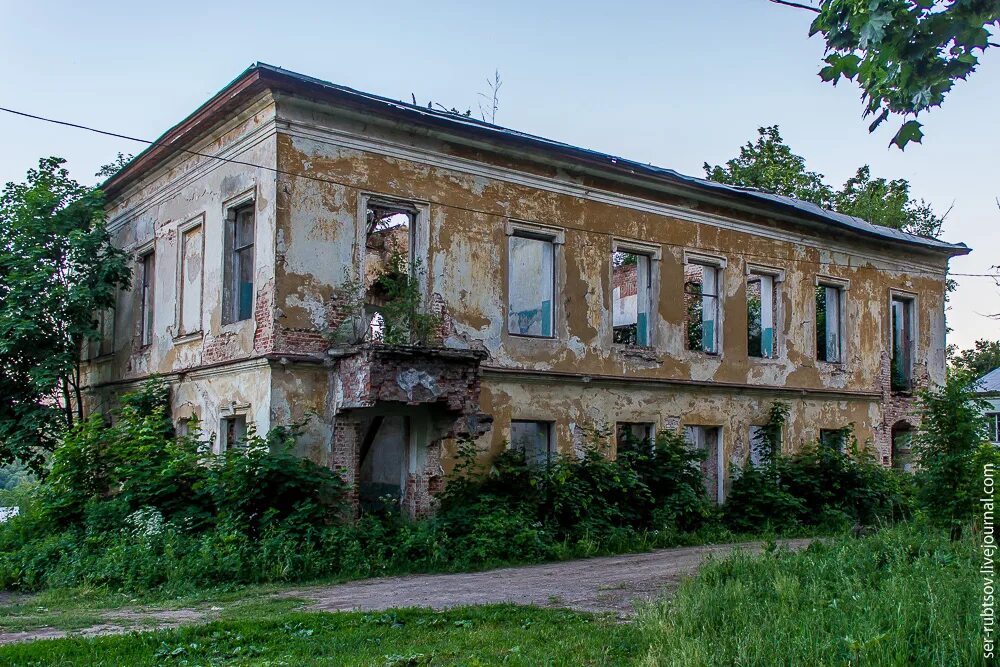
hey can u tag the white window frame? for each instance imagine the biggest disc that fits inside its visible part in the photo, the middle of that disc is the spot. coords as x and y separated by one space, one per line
550 431
182 230
842 286
539 232
909 300
718 264
654 255
232 411
776 277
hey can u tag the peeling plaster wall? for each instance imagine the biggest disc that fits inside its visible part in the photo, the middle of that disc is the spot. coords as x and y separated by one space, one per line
470 195
211 368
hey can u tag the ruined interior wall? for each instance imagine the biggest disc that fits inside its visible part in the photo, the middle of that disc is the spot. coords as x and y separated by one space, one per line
152 214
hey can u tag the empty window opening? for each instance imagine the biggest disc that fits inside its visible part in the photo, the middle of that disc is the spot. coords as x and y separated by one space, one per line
709 440
631 302
383 459
238 294
993 427
701 297
531 284
902 447
534 438
105 325
762 451
634 437
829 323
835 438
390 230
901 374
233 433
147 267
190 280
761 316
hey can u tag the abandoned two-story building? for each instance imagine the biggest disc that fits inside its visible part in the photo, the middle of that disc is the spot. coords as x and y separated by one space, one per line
293 239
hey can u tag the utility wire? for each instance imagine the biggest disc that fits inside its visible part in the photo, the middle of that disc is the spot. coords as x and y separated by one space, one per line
321 179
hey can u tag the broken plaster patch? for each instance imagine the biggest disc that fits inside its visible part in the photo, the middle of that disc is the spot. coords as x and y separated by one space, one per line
411 378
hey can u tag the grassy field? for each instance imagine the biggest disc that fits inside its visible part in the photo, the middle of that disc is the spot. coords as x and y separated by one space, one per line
494 635
901 597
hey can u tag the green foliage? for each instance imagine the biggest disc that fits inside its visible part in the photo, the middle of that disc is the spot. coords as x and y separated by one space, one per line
903 596
405 317
771 166
113 167
57 269
470 636
905 55
976 361
821 486
947 444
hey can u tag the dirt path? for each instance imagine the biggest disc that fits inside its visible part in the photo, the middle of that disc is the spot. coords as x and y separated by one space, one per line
610 584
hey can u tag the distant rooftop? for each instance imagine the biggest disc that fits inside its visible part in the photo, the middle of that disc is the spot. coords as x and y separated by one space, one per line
262 75
989 383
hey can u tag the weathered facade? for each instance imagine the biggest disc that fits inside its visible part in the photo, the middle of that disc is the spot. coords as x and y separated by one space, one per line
567 289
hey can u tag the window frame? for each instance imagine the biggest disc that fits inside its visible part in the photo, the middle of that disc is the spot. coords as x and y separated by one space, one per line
654 255
537 232
182 294
777 277
842 286
419 241
993 430
909 304
719 497
552 450
231 266
146 258
718 264
650 426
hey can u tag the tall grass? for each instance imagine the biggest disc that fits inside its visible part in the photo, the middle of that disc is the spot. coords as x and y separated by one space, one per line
900 597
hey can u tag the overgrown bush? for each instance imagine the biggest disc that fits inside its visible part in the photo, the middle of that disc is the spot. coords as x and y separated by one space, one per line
819 486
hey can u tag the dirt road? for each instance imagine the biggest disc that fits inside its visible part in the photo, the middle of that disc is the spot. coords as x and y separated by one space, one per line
610 584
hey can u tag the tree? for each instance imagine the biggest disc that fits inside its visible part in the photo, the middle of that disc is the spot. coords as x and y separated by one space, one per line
905 55
113 167
887 203
57 269
947 445
771 166
977 361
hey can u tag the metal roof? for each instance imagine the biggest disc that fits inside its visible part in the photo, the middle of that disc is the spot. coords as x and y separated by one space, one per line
277 77
989 383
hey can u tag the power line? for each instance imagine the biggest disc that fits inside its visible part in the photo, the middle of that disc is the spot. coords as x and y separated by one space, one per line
330 181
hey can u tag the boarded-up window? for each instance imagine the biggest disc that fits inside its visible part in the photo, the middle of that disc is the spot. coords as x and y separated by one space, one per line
902 344
709 440
631 298
530 286
829 323
238 294
701 297
761 315
190 282
534 438
147 267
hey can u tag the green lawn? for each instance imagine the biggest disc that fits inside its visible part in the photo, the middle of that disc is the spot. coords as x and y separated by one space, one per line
492 635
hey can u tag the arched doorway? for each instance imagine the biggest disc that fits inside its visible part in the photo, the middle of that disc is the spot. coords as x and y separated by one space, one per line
902 453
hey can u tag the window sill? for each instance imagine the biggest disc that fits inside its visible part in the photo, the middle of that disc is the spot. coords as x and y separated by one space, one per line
766 360
188 337
530 336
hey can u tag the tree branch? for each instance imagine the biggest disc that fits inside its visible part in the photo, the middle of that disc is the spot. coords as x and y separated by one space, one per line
797 5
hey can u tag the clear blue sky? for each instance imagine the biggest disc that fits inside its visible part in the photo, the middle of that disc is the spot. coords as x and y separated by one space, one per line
671 83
